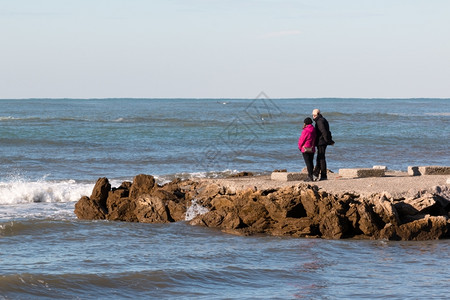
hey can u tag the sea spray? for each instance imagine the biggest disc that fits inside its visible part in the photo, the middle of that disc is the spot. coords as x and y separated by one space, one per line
20 191
194 210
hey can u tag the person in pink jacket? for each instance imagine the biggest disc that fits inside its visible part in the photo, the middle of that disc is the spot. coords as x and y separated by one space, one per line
306 144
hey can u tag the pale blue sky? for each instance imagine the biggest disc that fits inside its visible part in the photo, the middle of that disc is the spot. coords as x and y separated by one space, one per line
224 48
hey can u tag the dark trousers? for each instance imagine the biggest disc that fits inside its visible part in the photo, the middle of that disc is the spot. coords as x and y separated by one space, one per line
309 161
321 163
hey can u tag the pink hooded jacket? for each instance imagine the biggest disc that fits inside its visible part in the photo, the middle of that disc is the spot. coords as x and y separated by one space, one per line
307 138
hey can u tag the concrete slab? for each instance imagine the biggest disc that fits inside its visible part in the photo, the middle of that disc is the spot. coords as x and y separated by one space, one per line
361 173
434 170
428 170
288 176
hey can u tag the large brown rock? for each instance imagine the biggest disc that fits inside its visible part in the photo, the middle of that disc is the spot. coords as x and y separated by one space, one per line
86 209
369 222
333 226
122 209
100 191
151 209
177 210
142 185
425 204
427 228
303 227
385 209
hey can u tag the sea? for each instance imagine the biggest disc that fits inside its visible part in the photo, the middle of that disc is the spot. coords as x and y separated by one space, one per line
52 151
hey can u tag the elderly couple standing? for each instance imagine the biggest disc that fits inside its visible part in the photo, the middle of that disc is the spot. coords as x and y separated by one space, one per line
312 137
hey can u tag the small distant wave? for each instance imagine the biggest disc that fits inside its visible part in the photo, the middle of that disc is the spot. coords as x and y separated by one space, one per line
19 191
11 118
6 118
441 114
436 114
35 118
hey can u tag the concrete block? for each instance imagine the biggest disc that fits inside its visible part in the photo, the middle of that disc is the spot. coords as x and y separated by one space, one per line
413 171
288 176
448 180
361 172
434 170
380 168
428 170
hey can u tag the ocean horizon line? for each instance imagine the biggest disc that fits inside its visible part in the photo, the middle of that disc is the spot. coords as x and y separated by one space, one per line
227 98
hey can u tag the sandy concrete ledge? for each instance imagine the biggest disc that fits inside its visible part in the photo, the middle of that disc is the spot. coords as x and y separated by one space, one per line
395 183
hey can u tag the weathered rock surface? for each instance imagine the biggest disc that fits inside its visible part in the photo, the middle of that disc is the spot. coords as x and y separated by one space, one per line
300 210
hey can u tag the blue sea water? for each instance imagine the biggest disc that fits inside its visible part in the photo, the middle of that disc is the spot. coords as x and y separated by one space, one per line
53 150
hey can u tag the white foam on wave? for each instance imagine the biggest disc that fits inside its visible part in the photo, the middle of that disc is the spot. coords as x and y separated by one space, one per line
19 191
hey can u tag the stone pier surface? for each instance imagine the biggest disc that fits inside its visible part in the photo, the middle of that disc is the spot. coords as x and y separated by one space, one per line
394 207
361 172
428 170
288 176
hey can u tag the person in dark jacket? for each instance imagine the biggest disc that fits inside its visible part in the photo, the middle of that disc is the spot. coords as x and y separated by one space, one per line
323 139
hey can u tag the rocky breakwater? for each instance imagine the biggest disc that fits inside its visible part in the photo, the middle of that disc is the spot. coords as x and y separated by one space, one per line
300 210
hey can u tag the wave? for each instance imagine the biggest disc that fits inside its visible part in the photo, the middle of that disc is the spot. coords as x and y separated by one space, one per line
34 226
20 191
199 282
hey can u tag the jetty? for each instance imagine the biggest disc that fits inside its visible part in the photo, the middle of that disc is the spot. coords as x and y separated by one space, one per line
366 203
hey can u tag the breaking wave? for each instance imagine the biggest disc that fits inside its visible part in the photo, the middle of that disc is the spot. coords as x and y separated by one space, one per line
20 191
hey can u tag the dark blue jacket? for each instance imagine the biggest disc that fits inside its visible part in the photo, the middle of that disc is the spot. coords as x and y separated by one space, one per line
323 134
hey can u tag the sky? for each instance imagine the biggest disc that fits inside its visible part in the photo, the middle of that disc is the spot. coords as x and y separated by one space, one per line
224 48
